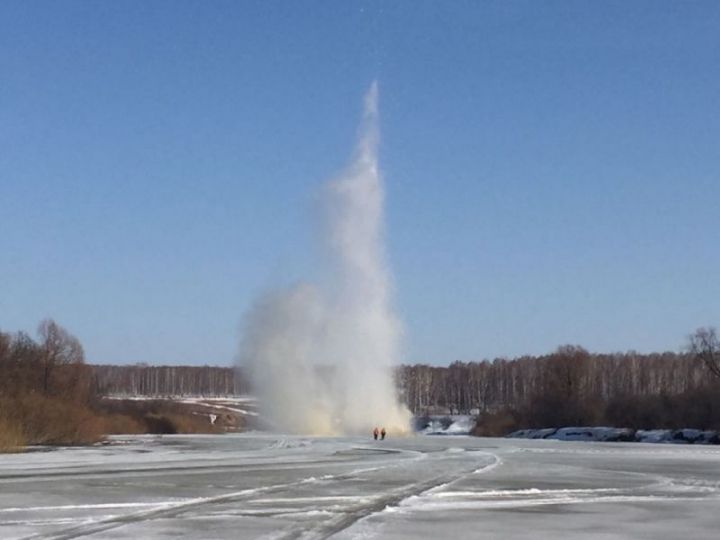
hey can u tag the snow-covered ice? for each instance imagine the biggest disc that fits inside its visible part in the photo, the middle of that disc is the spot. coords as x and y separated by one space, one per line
259 485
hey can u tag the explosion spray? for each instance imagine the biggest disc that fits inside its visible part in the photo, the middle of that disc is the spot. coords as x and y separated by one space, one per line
321 357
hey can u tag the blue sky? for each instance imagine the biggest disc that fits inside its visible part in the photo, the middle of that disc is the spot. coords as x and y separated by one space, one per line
552 168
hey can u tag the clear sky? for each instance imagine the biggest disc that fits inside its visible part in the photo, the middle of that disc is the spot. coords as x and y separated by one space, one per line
552 168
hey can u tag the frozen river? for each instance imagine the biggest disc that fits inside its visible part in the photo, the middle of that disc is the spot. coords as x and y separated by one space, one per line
273 486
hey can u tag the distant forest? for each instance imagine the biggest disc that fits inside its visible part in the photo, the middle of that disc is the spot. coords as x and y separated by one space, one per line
49 395
567 387
145 380
461 387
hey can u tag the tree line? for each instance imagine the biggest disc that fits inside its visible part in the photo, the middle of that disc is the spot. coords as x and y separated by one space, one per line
569 386
49 394
160 381
45 389
572 387
570 372
52 366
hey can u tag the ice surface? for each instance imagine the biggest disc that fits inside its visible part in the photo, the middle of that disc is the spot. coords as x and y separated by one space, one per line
257 485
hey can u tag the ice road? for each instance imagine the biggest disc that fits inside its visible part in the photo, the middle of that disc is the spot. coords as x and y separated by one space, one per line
270 486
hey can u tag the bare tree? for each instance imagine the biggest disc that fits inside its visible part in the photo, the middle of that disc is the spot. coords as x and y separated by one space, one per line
705 346
59 348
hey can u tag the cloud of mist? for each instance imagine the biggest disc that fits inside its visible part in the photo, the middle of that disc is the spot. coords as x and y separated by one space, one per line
321 356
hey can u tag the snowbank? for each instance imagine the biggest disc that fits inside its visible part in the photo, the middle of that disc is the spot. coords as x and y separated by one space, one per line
678 436
609 434
455 424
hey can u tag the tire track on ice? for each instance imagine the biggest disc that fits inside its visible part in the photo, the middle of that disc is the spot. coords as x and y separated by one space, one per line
354 513
167 510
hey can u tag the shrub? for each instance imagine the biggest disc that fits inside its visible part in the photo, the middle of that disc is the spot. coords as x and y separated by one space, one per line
153 416
44 420
11 436
185 423
156 423
496 424
122 424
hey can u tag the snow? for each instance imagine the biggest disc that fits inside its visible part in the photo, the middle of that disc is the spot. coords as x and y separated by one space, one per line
188 399
654 435
229 403
609 434
455 424
260 485
593 434
533 433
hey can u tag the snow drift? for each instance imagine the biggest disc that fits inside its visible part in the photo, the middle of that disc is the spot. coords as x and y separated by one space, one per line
610 434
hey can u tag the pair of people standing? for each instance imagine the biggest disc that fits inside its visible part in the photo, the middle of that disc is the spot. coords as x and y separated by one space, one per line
381 432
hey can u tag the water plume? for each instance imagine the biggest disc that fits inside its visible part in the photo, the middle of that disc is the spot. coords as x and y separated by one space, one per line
321 356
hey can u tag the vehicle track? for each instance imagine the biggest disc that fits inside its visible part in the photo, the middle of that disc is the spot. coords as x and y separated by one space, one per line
168 510
354 513
40 475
